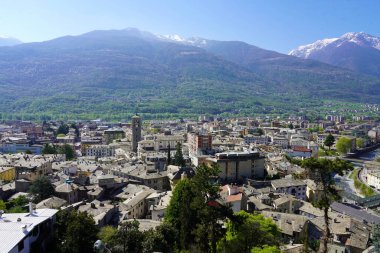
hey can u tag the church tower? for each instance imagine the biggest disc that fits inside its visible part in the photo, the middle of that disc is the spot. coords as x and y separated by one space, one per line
136 131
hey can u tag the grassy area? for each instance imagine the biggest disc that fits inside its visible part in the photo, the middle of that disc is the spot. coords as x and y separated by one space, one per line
359 185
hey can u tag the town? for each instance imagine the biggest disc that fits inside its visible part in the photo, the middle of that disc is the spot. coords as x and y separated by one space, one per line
127 172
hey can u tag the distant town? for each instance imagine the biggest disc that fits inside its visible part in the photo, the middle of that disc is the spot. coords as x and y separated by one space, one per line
128 172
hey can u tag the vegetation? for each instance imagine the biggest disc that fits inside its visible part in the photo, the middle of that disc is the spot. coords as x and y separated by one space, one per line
67 150
178 157
49 149
17 205
75 232
322 172
329 141
364 189
343 145
250 233
41 189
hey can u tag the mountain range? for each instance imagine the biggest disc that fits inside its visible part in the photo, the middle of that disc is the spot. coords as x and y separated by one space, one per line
7 41
359 52
115 73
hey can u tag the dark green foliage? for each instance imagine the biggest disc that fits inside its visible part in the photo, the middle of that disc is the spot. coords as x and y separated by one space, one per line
67 150
178 157
17 205
28 152
41 189
329 141
76 232
322 172
376 237
128 238
49 149
260 131
63 129
161 239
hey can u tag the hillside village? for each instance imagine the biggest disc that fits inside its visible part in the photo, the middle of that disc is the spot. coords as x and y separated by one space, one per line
119 172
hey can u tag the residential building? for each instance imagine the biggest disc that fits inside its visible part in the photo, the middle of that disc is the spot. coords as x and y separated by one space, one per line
27 232
291 186
239 165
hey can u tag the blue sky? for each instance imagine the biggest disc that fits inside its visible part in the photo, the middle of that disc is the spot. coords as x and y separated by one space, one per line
278 25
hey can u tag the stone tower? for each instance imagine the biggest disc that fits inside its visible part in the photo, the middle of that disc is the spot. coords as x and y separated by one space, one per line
136 131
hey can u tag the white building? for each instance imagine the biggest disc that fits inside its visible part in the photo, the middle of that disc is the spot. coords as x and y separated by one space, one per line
100 151
26 232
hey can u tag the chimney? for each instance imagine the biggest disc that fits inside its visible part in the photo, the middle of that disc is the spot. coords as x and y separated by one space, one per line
30 208
24 228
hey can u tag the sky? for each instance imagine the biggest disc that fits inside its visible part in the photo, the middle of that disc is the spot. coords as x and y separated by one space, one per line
279 25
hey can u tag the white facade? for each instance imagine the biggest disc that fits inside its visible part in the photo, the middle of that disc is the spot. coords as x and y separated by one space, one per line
100 151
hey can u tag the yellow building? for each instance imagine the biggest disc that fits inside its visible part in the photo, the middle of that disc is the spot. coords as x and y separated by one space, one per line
7 173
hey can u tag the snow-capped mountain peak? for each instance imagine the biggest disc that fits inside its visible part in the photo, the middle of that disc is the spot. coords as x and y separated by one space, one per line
193 41
359 38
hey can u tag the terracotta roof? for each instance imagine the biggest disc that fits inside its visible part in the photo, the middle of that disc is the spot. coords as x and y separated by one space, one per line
233 198
301 149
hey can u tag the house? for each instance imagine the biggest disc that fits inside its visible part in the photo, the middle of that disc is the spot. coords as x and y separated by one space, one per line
234 196
292 226
101 212
239 165
27 232
291 186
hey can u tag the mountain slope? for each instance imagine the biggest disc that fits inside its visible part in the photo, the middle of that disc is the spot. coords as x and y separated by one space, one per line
288 73
116 73
359 52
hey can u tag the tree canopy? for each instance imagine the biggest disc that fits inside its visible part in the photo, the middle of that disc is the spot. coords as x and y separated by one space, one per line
329 141
41 189
343 145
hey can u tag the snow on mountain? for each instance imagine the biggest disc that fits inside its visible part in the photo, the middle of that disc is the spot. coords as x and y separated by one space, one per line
359 38
193 41
8 41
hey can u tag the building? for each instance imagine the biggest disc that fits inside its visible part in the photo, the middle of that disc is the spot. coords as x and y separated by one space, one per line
112 134
198 143
99 151
238 166
27 232
136 132
294 187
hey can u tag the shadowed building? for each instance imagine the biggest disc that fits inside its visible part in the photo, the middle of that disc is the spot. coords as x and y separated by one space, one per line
136 131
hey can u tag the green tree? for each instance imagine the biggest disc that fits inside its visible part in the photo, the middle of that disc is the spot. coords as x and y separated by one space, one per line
260 131
290 126
28 152
3 206
343 145
180 214
178 157
67 150
76 232
359 143
107 234
247 232
63 129
161 239
322 171
49 149
128 238
329 141
41 189
376 237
